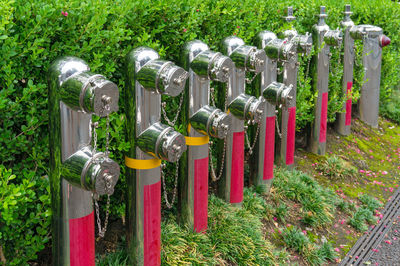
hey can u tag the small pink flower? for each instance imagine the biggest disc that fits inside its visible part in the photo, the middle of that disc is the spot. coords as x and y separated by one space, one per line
234 33
65 14
275 219
304 232
356 257
337 249
388 242
184 30
238 27
362 171
197 10
384 173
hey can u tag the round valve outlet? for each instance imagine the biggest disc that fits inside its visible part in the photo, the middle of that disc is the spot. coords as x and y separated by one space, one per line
277 93
333 37
220 68
249 57
211 121
281 49
246 107
162 141
90 93
107 175
219 124
171 146
163 77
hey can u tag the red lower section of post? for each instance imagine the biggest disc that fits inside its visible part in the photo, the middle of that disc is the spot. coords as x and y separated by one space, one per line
152 224
200 200
81 241
291 132
269 148
237 171
348 104
324 117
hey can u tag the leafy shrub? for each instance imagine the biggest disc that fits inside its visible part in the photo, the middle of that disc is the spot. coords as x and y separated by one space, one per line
314 254
34 33
336 167
318 203
365 214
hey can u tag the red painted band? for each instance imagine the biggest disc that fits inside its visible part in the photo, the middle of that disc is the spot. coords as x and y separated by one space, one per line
200 200
152 224
324 117
269 148
81 241
348 104
291 132
237 170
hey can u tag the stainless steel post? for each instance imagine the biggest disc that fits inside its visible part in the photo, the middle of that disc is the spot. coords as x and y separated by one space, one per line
262 160
241 107
373 41
323 39
343 119
76 170
199 121
302 44
147 77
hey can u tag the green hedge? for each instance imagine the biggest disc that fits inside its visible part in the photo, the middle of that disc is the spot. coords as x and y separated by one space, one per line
34 32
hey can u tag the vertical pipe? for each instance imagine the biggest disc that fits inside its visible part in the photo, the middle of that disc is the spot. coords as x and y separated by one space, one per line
73 91
150 141
200 121
343 119
262 159
193 172
246 59
373 40
323 38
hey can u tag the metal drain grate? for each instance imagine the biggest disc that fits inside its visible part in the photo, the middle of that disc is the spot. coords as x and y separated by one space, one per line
363 249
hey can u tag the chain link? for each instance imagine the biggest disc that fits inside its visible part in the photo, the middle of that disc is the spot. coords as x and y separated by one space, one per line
214 177
102 230
167 202
163 104
251 147
278 130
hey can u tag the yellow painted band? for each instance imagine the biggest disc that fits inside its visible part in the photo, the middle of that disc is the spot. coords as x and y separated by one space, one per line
196 141
142 164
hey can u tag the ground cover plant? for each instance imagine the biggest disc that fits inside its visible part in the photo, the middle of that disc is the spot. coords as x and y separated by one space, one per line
34 33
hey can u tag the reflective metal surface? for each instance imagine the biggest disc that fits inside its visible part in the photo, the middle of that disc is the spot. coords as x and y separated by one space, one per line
343 126
145 78
303 45
373 40
199 119
323 38
74 95
242 106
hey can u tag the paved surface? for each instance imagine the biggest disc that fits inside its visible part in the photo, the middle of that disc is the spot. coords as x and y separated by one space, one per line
381 244
388 251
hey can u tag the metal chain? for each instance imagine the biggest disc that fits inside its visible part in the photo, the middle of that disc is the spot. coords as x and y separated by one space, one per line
103 230
251 147
278 129
307 71
214 177
163 104
167 202
249 81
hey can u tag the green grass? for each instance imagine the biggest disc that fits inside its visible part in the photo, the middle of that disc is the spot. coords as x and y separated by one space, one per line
301 243
365 214
335 167
318 203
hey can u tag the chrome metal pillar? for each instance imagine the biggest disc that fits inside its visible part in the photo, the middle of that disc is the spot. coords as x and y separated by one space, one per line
343 119
323 39
147 77
302 44
262 160
199 121
75 171
241 107
373 41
